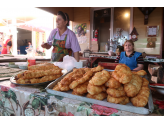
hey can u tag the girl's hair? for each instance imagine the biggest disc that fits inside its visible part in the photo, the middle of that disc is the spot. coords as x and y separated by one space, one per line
64 16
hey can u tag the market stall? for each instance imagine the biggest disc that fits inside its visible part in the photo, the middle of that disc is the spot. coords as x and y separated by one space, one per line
43 100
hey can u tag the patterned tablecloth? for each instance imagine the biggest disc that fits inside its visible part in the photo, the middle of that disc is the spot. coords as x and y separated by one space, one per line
32 100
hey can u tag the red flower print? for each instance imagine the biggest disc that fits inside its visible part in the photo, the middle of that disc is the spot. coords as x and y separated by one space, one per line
103 110
65 114
159 103
13 85
161 106
70 114
4 88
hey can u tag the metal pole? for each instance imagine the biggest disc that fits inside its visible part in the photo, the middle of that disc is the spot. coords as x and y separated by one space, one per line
14 38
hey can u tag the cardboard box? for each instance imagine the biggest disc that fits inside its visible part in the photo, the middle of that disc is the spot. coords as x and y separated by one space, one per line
154 79
94 47
94 42
108 65
94 39
153 69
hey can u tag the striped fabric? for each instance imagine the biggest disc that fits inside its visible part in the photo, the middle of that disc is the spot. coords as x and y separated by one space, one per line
139 59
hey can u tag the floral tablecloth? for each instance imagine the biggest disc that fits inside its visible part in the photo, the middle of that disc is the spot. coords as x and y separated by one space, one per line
33 101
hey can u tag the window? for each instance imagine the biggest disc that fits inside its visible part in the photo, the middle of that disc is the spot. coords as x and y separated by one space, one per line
102 22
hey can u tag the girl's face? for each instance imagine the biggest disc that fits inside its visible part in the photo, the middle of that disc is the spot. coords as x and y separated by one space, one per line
60 22
128 47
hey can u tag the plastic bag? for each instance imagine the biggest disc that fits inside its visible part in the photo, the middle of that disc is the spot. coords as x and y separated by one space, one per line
30 52
68 63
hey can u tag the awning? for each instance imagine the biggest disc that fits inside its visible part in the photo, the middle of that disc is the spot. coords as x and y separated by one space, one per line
30 28
39 25
2 22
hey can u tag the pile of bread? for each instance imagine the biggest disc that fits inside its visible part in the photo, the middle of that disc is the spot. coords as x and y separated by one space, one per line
120 86
39 73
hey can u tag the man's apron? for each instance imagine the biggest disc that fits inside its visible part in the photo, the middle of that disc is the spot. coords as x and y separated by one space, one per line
59 50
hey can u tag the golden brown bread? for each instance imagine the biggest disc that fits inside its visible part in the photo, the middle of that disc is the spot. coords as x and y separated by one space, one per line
125 78
37 80
112 83
115 100
69 78
125 101
97 69
145 82
79 81
49 78
56 87
86 69
117 68
100 78
63 87
99 96
140 72
43 66
122 74
118 92
92 89
142 97
81 89
20 75
40 73
74 93
134 86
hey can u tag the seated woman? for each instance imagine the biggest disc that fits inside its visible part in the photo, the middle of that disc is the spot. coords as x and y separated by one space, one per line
131 58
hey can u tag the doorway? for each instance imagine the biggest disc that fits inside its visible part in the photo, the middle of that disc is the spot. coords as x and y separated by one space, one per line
23 37
102 24
101 18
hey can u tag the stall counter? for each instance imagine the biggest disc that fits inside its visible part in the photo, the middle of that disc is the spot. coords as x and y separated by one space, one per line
20 58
